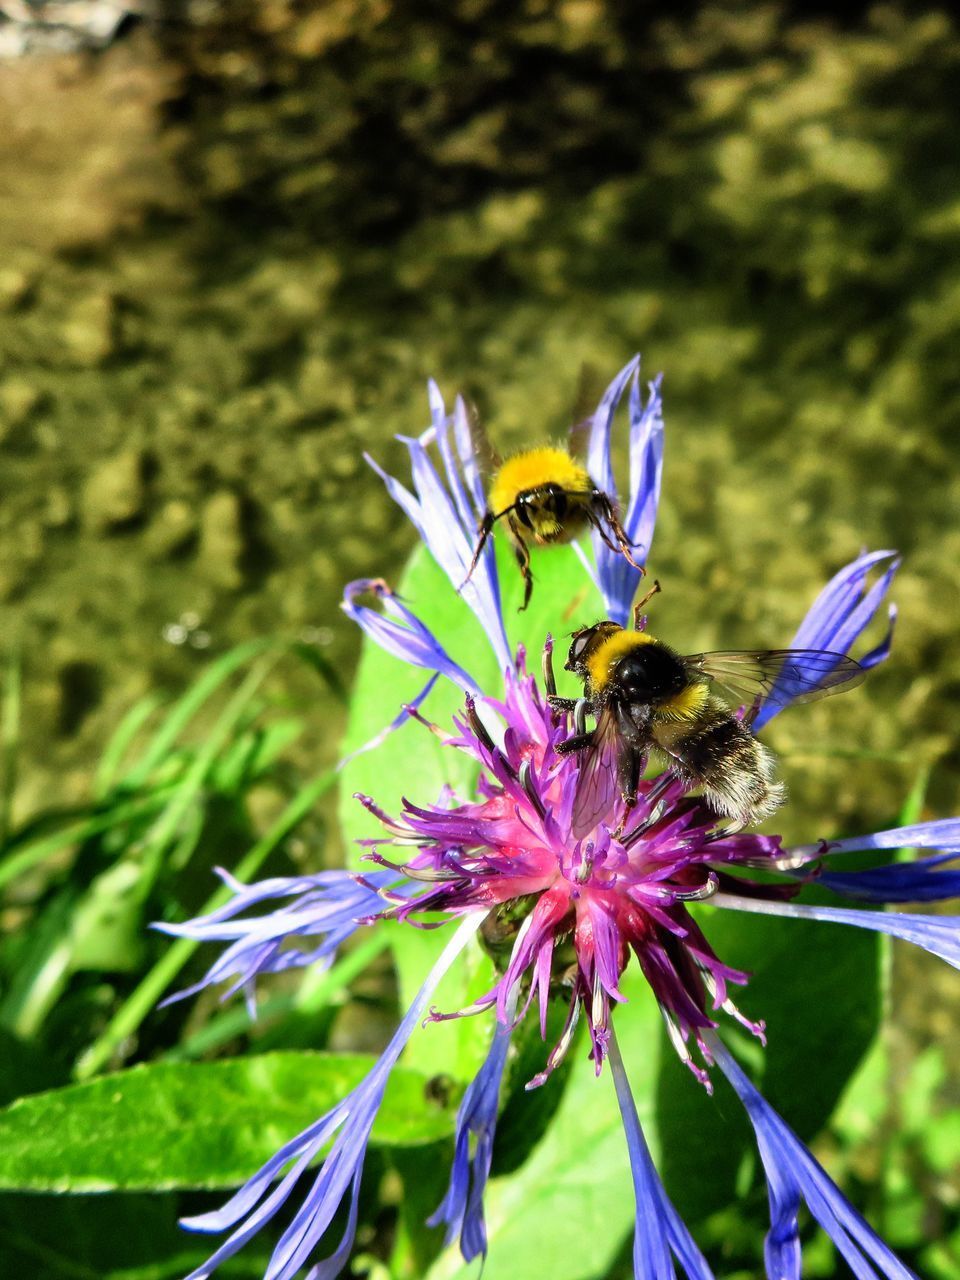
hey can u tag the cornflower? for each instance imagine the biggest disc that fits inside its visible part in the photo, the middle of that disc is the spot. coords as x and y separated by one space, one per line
565 916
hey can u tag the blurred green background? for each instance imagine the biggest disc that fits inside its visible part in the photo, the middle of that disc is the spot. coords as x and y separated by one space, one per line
236 242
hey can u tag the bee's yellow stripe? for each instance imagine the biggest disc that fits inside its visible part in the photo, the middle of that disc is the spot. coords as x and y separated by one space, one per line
602 660
532 469
685 705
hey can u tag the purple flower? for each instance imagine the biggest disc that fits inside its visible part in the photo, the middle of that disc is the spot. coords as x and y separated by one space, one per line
551 903
628 891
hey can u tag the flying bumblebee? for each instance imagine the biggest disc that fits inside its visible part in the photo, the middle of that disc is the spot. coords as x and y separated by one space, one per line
546 495
647 697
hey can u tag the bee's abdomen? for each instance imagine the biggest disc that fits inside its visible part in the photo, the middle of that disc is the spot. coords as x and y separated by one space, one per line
734 769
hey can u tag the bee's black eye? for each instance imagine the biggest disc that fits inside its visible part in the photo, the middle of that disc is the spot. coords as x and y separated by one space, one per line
556 501
579 645
523 507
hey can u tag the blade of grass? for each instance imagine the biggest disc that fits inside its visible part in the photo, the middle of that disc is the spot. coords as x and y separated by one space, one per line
119 743
168 824
323 668
42 971
78 832
192 701
913 803
142 1000
190 704
9 741
183 850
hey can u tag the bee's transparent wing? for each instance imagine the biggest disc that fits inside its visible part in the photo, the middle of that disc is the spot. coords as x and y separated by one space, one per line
598 780
777 676
589 391
486 455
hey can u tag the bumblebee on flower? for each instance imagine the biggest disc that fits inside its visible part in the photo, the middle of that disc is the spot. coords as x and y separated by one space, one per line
565 904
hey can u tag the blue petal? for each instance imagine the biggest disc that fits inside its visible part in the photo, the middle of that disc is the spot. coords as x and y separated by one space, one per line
659 1231
328 906
462 1207
615 576
940 935
943 833
646 464
919 881
400 719
837 617
402 633
618 579
446 512
882 651
599 461
794 1177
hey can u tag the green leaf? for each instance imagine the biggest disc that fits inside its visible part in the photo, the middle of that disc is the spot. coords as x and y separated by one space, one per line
173 1125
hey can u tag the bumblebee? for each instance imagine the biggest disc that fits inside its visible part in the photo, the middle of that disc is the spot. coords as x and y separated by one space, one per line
547 496
647 697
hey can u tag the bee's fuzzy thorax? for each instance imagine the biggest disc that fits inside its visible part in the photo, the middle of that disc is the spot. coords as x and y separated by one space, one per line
533 469
601 661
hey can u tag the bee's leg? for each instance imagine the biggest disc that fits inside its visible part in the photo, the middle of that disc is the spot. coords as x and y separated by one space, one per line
596 518
486 528
603 509
578 743
644 600
580 708
562 704
522 552
630 777
631 766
